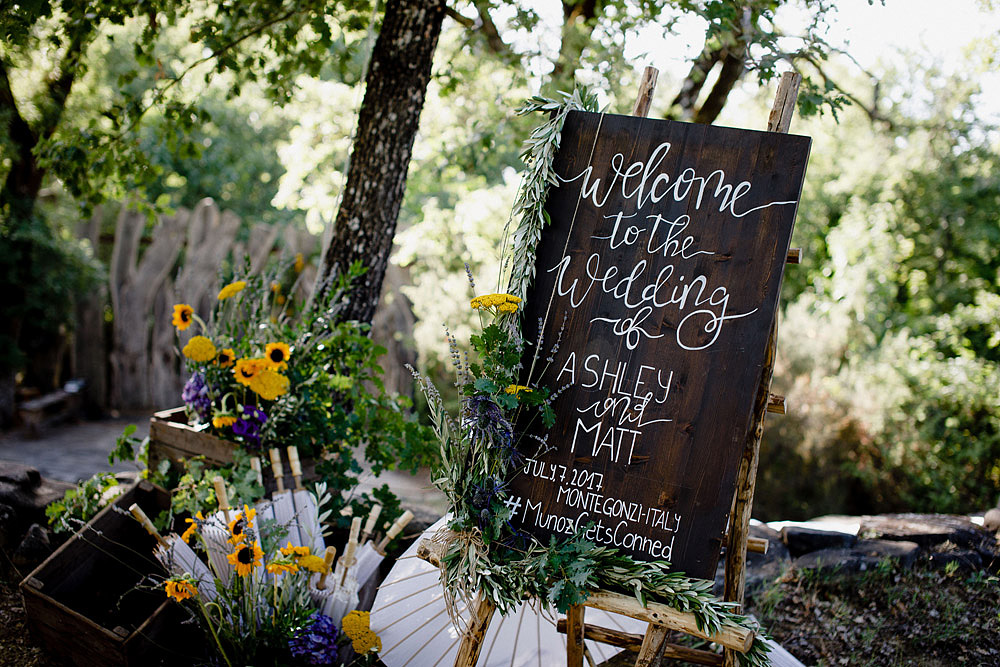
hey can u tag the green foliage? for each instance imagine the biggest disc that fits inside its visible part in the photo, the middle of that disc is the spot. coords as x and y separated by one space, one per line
80 503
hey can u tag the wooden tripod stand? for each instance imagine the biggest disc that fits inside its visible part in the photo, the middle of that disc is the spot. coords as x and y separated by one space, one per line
661 618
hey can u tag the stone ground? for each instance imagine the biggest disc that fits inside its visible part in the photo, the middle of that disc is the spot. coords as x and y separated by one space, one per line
73 451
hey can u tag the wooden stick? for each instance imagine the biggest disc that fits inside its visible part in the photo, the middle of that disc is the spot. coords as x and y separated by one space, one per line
730 636
574 635
776 404
370 524
347 560
655 636
295 465
277 469
646 87
394 530
141 517
222 496
255 466
794 256
331 553
472 639
779 120
633 642
757 545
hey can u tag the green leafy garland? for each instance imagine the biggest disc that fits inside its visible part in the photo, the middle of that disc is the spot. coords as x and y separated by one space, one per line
483 554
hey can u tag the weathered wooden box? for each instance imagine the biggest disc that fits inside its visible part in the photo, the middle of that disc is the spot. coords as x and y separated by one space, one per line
170 437
93 601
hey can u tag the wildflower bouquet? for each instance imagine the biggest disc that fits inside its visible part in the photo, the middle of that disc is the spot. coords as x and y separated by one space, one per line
253 599
263 376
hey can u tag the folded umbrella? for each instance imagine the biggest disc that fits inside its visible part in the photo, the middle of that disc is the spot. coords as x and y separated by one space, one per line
370 557
306 513
323 589
176 556
282 504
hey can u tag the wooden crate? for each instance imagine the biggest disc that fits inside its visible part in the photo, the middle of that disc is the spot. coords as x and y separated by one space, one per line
170 437
93 602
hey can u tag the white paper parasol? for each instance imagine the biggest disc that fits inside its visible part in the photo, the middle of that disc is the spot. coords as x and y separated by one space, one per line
410 618
282 504
309 530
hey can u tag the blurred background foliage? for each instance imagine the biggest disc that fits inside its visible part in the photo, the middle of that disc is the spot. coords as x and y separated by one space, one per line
890 328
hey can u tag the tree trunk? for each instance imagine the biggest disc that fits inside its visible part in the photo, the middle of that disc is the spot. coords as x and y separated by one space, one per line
387 124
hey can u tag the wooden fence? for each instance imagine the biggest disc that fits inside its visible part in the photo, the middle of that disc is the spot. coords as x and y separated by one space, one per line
139 367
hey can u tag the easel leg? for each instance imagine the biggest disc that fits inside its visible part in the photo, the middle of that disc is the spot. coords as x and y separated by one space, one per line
574 636
472 641
655 636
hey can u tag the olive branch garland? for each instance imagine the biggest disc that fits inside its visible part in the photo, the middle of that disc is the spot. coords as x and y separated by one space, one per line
564 571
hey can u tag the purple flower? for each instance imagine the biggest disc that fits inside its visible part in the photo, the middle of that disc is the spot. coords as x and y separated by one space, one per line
248 425
316 643
195 396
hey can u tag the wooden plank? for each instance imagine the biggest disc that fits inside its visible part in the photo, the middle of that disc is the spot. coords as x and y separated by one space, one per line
651 643
472 640
646 87
655 392
574 636
732 637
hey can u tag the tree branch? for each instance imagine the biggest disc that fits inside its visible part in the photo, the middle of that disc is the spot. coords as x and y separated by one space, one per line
59 86
694 82
20 131
732 69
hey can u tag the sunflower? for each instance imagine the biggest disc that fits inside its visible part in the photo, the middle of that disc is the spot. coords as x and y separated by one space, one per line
312 563
276 356
240 524
226 357
182 316
282 565
245 558
199 349
246 369
291 550
232 289
179 589
223 420
195 522
269 385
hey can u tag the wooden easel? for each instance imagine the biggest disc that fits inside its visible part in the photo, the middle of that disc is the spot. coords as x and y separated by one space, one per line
661 618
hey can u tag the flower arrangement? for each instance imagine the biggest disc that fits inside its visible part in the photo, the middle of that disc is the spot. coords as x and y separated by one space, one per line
263 374
484 554
254 600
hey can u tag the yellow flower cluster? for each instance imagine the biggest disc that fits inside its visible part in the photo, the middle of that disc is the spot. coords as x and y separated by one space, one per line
269 385
357 626
504 303
199 349
517 389
232 289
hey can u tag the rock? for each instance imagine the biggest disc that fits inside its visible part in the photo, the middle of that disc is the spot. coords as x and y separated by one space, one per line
25 491
34 548
967 560
19 475
835 561
990 554
927 530
991 521
865 555
806 540
904 552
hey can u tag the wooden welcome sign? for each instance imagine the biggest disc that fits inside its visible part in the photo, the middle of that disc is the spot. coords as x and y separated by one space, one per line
659 278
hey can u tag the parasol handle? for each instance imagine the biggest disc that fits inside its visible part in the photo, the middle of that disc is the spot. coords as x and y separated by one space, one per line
277 468
255 466
331 553
395 529
352 545
295 465
221 495
141 517
370 524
